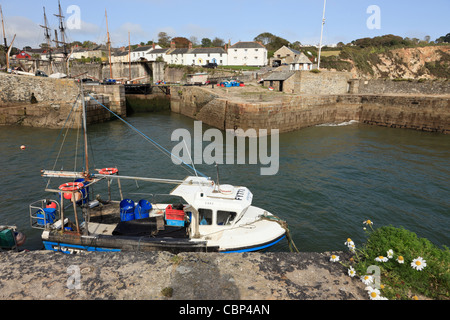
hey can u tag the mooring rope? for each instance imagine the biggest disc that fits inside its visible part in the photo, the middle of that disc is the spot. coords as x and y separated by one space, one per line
284 225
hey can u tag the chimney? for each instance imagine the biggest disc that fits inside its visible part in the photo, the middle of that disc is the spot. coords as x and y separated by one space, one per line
154 46
172 45
190 45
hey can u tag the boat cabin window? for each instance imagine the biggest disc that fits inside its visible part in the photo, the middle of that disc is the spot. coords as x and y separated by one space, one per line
225 217
205 217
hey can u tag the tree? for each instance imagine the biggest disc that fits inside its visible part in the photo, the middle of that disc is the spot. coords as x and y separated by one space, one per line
443 39
206 43
194 40
217 42
163 39
265 38
271 41
181 42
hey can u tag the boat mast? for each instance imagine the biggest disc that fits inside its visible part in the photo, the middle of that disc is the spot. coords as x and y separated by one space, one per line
109 46
3 26
62 32
47 37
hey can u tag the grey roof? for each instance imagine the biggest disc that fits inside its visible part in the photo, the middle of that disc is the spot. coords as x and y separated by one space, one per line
295 51
179 51
207 50
279 76
143 48
247 45
159 50
302 58
121 53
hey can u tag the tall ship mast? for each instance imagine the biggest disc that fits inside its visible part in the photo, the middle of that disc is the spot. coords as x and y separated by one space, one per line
48 39
4 33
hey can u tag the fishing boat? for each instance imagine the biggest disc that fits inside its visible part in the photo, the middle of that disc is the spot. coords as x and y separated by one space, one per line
201 214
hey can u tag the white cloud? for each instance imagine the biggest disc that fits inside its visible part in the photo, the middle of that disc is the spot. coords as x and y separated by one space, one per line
28 32
119 36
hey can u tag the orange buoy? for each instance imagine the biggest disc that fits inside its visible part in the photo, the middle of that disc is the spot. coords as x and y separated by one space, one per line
108 171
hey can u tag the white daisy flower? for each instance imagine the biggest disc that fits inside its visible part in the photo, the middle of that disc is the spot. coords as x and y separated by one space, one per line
368 222
390 253
352 248
381 259
351 272
367 279
400 259
418 263
334 258
349 242
374 294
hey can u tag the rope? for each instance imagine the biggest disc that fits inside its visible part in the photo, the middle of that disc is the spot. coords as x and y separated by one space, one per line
158 146
284 225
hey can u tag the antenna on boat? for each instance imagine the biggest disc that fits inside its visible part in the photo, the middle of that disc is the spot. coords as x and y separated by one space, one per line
217 169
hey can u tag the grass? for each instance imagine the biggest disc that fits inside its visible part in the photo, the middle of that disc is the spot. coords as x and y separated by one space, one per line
402 281
330 53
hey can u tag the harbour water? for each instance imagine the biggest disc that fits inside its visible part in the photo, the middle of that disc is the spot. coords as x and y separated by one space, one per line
331 177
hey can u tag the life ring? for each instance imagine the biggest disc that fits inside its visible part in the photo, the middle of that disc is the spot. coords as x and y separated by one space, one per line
108 171
71 186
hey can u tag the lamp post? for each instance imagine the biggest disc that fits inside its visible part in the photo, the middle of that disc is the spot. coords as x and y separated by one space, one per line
321 34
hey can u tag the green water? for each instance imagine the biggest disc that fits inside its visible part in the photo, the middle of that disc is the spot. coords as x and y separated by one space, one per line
331 178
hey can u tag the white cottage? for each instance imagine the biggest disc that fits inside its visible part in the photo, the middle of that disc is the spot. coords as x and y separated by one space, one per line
247 54
202 56
140 53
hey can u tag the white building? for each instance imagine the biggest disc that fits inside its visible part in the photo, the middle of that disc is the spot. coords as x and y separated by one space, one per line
247 54
140 53
202 56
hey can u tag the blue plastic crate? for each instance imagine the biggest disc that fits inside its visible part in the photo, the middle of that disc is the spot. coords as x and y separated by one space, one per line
175 223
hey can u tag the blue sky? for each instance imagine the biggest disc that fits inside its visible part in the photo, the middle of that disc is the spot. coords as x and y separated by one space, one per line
235 20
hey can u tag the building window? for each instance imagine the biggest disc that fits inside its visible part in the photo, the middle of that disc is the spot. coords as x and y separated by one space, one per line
256 50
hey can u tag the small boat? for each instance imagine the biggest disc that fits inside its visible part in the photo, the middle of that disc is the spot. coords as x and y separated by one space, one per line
199 214
10 238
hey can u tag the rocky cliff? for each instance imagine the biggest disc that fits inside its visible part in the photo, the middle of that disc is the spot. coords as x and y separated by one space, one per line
429 62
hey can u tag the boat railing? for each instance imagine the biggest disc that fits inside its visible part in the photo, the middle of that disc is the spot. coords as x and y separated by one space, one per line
41 215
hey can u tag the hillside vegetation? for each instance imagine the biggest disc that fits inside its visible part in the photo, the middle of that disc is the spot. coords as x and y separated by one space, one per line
388 56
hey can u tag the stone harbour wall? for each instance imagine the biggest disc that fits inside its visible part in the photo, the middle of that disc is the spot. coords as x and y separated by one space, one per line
46 275
47 103
293 112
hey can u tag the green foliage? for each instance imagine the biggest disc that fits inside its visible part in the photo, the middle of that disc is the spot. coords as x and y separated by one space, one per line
401 281
444 39
271 41
441 68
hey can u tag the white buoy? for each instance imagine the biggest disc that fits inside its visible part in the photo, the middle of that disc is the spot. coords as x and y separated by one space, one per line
22 147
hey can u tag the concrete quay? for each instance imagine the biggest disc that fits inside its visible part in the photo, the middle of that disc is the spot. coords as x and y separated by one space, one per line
46 275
